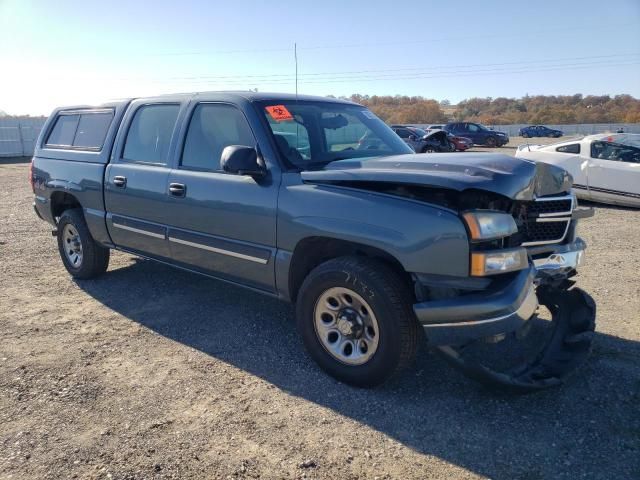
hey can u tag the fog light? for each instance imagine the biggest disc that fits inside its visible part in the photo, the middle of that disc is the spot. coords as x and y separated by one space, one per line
498 261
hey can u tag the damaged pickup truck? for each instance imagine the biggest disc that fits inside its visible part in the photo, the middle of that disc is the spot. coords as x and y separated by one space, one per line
378 247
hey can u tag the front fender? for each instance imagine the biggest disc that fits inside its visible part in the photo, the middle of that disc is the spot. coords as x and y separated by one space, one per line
423 238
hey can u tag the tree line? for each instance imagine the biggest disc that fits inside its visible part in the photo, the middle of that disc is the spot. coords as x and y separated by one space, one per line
537 109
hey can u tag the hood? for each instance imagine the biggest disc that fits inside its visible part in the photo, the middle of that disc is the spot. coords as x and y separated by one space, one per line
515 178
435 135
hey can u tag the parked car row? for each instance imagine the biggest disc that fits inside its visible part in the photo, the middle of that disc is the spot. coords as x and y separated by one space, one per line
460 136
478 134
431 140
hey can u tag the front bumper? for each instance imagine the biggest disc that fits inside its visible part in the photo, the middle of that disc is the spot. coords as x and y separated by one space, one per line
459 320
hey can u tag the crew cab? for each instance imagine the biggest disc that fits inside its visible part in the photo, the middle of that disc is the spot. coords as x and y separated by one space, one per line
376 245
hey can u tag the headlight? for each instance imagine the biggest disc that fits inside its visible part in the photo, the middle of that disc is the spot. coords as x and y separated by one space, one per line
498 261
489 225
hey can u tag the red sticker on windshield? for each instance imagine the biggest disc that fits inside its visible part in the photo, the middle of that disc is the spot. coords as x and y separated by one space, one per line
279 113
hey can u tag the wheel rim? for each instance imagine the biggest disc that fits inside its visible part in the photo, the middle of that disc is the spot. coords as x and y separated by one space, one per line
72 245
491 142
346 326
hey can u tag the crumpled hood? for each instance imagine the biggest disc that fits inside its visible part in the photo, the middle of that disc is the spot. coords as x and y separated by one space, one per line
515 178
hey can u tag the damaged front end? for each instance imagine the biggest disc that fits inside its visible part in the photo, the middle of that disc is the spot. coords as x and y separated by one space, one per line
521 221
468 322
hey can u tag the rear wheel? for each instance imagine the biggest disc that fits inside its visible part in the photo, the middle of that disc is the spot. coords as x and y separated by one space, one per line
81 255
428 149
356 319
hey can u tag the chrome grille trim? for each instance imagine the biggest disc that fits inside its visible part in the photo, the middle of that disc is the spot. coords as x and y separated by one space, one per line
571 198
564 216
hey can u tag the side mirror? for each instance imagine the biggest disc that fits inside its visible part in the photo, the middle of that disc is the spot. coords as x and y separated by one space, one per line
413 138
242 160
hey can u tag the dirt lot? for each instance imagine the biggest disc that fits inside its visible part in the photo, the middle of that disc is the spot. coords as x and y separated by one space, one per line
149 372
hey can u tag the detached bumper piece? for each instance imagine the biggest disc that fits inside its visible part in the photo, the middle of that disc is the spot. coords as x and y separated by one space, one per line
573 313
453 325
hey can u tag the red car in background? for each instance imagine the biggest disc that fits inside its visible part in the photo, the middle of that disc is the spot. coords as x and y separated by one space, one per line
461 143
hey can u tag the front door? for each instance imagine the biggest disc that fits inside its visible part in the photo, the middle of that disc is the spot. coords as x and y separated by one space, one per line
220 223
136 179
614 173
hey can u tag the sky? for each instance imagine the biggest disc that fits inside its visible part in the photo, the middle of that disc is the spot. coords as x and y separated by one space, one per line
68 52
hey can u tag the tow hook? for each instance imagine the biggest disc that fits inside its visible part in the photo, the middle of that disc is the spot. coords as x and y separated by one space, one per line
573 314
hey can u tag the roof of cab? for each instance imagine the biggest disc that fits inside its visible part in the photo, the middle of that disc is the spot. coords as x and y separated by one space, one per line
212 95
254 96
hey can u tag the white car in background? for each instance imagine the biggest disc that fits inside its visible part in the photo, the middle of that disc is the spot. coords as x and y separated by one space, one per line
605 167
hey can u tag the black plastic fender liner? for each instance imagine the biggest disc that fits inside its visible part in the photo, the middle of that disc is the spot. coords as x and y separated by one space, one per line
573 316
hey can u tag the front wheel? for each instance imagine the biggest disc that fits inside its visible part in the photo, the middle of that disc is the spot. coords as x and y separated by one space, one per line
491 142
81 255
356 320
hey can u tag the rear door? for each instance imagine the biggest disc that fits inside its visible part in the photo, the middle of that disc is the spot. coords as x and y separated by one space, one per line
219 223
614 173
137 177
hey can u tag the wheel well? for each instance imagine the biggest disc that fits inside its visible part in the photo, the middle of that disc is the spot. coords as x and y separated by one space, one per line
61 201
311 252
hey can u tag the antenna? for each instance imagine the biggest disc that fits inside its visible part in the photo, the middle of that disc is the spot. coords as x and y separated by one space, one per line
295 56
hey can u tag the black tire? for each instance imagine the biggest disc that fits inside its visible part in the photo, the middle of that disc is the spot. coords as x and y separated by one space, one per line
390 299
491 142
428 150
525 135
94 258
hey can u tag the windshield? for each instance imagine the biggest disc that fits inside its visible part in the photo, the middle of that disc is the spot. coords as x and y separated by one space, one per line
482 127
311 134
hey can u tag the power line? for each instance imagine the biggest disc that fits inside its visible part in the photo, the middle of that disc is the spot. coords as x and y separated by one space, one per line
561 30
398 69
417 75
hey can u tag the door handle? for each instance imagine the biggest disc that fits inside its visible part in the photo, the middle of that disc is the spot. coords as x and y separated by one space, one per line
177 189
120 181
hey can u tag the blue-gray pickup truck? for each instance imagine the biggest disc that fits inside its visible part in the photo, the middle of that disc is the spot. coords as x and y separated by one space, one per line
318 202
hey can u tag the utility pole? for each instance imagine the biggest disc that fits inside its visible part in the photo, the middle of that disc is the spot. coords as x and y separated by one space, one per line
295 56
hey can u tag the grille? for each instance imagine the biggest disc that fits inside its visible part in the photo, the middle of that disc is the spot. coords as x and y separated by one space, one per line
542 207
545 220
535 232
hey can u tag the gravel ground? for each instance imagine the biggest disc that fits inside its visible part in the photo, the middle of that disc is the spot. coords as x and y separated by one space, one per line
150 372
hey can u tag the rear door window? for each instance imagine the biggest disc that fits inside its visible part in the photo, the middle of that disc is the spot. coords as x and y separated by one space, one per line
150 132
92 130
63 131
